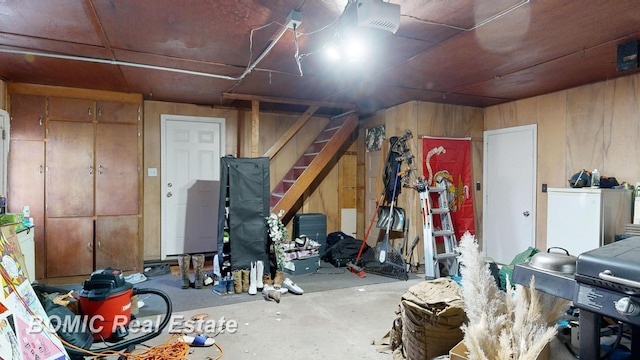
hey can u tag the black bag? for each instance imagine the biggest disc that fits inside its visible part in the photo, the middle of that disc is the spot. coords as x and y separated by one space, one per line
342 249
607 182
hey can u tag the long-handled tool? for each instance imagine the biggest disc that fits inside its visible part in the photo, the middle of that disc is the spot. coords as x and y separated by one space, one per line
356 269
385 247
353 267
385 259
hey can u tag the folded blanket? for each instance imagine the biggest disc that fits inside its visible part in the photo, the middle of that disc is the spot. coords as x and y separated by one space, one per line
292 251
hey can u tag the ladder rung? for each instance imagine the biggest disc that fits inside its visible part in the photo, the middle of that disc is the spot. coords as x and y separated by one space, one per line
439 210
443 233
447 256
437 189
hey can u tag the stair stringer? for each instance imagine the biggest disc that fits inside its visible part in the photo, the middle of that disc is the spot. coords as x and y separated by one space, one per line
315 167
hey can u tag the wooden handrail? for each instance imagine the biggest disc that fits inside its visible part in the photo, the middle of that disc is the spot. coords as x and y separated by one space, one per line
317 165
291 132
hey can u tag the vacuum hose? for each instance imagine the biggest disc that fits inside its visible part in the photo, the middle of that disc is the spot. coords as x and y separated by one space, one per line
140 339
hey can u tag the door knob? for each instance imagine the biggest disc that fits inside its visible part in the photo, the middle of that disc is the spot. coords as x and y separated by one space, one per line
526 214
169 194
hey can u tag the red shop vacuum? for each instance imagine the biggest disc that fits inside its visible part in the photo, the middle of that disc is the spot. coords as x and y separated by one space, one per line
105 299
105 302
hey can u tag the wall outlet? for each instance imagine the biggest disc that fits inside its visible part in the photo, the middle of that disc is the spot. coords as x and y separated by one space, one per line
152 171
544 187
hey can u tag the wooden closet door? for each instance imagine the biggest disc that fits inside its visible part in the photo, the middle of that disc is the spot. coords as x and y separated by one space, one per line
26 187
70 169
117 242
70 246
27 116
118 112
117 169
61 108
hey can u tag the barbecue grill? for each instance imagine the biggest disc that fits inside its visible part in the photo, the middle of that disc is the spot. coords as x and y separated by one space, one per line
606 283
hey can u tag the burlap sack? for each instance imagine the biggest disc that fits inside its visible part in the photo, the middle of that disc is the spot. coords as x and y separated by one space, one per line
432 313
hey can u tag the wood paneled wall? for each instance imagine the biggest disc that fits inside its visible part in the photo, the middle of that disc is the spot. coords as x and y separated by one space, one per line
422 119
152 186
592 126
322 198
3 95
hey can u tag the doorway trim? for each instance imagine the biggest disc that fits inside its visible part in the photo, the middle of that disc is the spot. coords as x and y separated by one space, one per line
164 119
502 179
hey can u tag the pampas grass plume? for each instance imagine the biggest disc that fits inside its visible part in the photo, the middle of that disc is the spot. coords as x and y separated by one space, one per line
503 326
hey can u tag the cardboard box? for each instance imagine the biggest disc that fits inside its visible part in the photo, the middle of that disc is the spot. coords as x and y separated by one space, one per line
459 352
302 266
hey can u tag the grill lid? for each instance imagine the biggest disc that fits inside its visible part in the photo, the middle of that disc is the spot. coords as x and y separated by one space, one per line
554 261
615 266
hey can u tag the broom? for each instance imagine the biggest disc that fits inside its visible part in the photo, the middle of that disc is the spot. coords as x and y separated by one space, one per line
354 268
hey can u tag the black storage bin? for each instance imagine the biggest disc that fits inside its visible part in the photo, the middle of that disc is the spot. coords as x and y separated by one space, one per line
314 226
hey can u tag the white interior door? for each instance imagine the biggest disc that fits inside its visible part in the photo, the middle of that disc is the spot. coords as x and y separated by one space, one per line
509 204
190 175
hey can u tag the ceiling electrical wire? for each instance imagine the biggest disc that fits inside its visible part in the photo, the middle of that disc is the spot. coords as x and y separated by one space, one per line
250 67
484 22
251 64
297 55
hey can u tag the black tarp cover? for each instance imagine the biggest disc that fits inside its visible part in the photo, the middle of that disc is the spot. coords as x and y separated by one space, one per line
248 181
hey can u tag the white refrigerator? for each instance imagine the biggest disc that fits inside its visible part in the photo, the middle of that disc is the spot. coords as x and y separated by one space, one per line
583 219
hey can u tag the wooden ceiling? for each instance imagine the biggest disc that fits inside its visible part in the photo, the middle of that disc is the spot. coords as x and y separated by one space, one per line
464 52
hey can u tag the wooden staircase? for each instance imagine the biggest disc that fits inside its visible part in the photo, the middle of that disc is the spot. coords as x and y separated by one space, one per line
309 166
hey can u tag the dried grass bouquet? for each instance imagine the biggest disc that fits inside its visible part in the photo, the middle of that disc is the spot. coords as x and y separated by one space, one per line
503 326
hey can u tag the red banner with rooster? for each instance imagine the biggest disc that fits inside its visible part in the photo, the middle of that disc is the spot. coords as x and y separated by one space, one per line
447 163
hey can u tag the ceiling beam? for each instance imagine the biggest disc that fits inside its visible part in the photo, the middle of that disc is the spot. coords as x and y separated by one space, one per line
268 99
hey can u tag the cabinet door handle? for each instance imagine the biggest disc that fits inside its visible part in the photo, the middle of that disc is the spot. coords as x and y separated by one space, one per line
90 170
99 112
41 169
40 121
89 247
99 245
99 169
89 110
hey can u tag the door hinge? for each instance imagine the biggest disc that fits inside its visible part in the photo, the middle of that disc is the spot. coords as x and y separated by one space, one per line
4 134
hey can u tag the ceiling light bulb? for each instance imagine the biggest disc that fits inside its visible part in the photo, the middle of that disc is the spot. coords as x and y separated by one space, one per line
354 49
332 52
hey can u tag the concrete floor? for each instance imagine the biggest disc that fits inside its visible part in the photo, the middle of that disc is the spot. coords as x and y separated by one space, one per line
334 324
